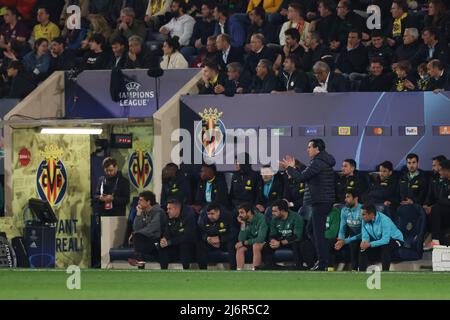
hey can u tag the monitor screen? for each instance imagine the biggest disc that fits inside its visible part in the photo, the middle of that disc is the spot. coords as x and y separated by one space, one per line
42 211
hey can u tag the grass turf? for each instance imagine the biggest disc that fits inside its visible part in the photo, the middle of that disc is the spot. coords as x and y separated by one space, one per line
146 284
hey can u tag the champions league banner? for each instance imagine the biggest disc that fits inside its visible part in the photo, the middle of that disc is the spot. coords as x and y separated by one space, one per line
56 168
368 127
88 95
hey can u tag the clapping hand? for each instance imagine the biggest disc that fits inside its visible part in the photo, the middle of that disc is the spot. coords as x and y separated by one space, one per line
287 161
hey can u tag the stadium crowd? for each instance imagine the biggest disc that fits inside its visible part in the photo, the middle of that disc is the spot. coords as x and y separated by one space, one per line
254 46
265 211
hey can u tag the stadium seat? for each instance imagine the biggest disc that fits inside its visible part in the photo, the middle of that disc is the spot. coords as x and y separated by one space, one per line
410 220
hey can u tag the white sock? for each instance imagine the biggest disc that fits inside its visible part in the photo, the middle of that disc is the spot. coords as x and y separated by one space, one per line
435 241
238 269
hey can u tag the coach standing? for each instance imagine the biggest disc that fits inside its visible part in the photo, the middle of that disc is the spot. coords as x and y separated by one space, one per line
319 193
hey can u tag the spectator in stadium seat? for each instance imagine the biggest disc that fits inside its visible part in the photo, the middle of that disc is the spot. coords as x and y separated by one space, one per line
410 48
45 28
293 190
350 227
230 25
438 18
238 81
217 232
379 236
226 52
156 13
203 28
379 49
350 180
172 58
327 81
96 58
292 78
319 193
285 232
270 6
64 16
13 29
413 184
384 186
175 185
181 25
211 188
327 25
213 81
348 21
295 21
378 80
139 57
61 59
21 83
264 81
129 25
244 183
433 48
98 24
315 51
404 79
423 78
147 228
207 55
440 218
252 235
353 58
401 20
116 7
269 189
119 50
259 24
179 236
292 47
37 61
331 233
439 77
258 51
435 183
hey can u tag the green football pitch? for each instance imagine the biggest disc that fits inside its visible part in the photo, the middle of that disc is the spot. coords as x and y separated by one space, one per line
148 284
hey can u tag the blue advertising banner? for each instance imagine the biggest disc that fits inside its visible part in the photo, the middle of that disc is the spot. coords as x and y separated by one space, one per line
368 127
88 95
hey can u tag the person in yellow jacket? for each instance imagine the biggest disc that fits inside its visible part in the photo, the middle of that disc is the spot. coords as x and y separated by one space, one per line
270 6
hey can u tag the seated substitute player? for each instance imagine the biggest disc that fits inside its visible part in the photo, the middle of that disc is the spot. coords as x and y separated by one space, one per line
350 227
383 189
216 232
179 236
252 235
286 231
379 237
350 179
147 228
413 184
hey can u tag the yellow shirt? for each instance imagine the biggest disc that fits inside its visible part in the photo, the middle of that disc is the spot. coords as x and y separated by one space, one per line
270 6
49 32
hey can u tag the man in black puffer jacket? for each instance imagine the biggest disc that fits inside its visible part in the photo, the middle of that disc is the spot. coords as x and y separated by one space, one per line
319 193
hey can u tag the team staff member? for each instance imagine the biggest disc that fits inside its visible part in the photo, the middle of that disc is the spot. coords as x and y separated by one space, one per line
350 227
349 180
286 231
384 188
175 185
294 190
147 228
244 183
216 232
270 189
379 236
331 233
111 197
413 184
212 188
319 193
252 235
179 236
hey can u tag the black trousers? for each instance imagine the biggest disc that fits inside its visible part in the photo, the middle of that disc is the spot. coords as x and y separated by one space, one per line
355 249
183 251
144 246
440 220
319 218
332 252
268 252
202 253
374 254
95 241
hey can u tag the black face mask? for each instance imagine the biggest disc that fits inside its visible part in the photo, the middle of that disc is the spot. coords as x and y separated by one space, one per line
176 14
